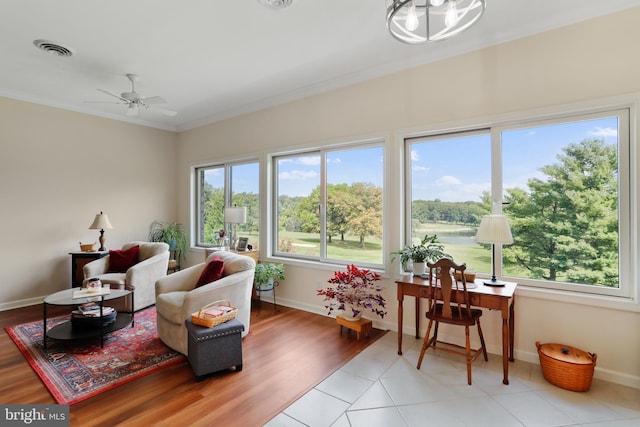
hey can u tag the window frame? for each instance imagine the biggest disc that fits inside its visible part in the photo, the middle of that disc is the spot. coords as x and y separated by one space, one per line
627 164
198 177
322 150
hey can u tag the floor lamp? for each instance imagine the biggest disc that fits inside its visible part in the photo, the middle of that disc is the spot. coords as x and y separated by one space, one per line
234 216
494 229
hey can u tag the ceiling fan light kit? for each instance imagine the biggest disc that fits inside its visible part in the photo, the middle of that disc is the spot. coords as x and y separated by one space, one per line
427 21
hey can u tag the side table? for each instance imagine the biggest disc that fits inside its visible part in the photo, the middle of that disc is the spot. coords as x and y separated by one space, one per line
78 260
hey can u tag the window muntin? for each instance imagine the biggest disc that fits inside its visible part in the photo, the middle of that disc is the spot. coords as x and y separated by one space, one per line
233 184
517 154
329 205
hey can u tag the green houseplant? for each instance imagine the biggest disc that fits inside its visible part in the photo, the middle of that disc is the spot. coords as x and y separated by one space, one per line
429 250
266 275
170 233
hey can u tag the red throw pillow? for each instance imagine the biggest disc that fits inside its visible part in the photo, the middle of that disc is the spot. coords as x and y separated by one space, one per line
121 260
212 272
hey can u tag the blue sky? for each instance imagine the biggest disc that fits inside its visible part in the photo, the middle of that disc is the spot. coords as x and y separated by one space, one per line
298 176
458 169
450 169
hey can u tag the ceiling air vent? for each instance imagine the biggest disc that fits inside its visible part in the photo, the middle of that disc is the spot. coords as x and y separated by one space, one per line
276 4
52 48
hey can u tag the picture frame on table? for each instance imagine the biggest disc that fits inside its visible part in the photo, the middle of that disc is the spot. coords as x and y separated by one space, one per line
242 244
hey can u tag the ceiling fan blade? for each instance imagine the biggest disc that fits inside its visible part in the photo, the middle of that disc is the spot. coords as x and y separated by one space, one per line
105 102
164 111
114 95
154 100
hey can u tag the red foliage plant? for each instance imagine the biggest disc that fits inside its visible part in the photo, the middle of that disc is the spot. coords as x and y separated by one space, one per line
356 288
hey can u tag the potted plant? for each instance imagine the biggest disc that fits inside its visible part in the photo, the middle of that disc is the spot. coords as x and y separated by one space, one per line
429 249
266 275
172 234
356 290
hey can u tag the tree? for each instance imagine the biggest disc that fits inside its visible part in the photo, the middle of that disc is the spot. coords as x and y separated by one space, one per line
365 217
566 227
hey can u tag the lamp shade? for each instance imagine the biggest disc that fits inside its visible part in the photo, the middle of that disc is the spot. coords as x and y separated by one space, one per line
101 222
235 215
494 229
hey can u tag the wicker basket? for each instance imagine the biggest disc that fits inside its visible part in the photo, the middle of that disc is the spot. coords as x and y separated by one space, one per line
567 367
88 247
199 318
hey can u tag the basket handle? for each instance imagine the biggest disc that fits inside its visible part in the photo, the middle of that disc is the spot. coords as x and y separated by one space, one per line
212 305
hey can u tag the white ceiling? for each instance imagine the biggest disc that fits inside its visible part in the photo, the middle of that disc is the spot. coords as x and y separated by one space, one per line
214 59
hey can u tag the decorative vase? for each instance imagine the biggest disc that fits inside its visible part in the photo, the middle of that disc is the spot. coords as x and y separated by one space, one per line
347 314
418 268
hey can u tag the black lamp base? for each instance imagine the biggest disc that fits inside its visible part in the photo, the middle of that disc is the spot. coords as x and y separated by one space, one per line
494 282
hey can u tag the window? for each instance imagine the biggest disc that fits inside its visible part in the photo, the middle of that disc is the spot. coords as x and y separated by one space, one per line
227 185
563 184
329 205
450 185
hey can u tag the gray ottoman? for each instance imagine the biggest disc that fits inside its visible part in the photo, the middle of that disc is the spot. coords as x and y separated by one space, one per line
214 349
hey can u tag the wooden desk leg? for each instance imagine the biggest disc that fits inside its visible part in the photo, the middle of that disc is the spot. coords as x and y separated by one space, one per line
512 328
505 346
400 299
417 317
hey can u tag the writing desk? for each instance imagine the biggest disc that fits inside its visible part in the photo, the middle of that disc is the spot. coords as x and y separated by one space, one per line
492 297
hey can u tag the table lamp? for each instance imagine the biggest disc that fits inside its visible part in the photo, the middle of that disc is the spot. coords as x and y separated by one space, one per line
494 229
234 216
101 222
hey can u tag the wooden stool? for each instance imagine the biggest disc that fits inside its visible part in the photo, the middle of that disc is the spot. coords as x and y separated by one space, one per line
359 326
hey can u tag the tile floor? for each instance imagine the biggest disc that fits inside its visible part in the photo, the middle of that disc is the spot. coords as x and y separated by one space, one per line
380 388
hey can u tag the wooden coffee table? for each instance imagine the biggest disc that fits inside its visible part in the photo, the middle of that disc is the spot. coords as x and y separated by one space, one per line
65 331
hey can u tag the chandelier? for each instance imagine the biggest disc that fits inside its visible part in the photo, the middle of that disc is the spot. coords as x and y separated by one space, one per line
426 21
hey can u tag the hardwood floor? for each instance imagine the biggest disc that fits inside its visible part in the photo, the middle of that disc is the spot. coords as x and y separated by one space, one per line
285 355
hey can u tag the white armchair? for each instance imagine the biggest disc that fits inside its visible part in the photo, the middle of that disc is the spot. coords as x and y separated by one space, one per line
177 297
153 259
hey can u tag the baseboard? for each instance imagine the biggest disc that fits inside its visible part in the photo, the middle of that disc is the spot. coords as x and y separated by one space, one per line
21 303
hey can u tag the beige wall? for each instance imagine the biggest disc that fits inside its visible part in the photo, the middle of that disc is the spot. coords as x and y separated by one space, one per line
57 170
588 64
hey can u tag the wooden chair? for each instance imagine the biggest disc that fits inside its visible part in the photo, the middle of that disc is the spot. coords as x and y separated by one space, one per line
449 303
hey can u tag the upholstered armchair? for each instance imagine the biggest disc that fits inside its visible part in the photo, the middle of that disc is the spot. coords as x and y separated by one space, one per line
177 295
148 265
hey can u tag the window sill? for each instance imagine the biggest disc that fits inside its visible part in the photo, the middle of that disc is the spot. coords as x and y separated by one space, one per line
593 300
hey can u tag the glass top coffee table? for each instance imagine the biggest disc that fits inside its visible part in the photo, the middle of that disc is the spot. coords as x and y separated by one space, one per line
76 297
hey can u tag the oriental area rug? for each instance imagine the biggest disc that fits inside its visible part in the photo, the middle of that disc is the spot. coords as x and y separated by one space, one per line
77 370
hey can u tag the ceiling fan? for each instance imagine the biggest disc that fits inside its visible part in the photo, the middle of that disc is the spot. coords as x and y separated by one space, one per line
134 101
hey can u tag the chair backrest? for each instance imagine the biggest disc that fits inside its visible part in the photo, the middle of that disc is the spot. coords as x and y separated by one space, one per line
233 262
445 287
147 249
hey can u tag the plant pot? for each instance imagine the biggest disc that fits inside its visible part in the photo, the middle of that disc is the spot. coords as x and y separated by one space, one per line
347 314
419 268
264 287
